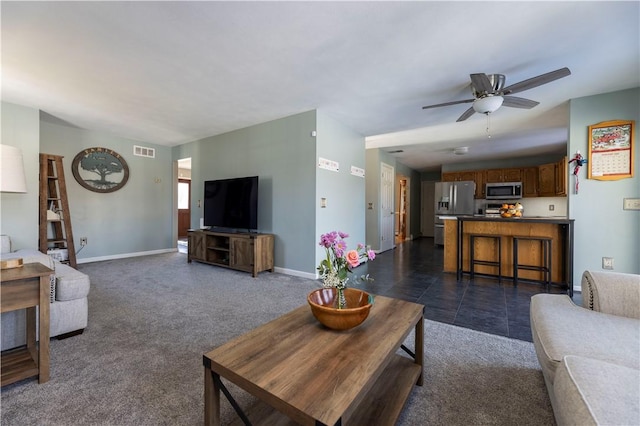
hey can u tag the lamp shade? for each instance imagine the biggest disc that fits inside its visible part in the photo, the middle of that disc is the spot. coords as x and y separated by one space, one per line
12 178
487 104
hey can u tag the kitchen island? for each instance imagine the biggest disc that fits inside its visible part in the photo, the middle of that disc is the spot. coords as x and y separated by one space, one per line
558 229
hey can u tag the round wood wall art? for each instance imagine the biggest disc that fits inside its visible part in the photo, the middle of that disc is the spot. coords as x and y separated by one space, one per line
100 169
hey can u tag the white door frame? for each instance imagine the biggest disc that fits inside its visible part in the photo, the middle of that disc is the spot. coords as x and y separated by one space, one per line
387 207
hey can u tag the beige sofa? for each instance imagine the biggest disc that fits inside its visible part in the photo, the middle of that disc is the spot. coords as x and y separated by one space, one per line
69 309
590 355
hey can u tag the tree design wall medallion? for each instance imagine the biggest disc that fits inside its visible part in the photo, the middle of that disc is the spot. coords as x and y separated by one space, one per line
100 169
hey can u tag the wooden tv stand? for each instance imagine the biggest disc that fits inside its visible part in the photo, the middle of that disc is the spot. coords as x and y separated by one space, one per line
242 251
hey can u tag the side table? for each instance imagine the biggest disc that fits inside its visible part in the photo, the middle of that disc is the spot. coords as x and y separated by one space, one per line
25 288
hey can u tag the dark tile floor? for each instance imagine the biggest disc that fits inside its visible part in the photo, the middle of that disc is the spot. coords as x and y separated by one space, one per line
413 272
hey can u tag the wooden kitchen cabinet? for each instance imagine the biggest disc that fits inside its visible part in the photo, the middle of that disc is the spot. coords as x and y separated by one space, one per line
547 180
504 175
481 181
512 175
449 176
530 182
552 179
476 176
561 170
458 176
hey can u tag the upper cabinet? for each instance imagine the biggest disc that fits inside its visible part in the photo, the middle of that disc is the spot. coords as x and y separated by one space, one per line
562 167
546 180
530 183
477 176
504 175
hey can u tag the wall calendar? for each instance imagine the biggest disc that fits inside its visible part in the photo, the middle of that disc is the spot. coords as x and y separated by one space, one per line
611 146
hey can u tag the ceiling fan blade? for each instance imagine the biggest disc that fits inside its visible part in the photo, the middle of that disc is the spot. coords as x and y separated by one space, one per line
481 83
536 81
466 101
468 113
516 102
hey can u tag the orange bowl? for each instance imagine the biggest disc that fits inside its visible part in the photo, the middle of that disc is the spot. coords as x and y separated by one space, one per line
323 306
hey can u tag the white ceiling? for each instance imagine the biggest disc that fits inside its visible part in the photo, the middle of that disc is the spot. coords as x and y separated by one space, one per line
173 72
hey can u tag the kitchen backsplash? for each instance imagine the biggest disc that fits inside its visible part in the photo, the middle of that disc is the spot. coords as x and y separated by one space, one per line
535 206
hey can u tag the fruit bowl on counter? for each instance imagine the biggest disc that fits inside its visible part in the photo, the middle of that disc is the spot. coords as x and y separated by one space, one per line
511 210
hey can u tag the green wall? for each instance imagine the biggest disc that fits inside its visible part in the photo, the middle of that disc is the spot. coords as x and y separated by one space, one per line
19 212
284 154
140 218
602 227
135 219
345 193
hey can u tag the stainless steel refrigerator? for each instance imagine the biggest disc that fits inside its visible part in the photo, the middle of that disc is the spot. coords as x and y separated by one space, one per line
452 199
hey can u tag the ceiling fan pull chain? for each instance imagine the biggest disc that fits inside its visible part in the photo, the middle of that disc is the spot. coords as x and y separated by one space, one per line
488 133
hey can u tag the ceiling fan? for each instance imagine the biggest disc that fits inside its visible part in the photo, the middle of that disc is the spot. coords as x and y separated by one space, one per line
490 94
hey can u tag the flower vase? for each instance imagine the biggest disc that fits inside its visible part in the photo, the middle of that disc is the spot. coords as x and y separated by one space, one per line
341 301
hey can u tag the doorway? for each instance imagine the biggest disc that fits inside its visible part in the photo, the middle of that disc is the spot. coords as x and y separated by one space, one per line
184 199
184 207
387 208
402 210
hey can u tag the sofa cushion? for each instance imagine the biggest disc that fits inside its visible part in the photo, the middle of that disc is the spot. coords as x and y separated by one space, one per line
70 283
593 392
560 328
612 293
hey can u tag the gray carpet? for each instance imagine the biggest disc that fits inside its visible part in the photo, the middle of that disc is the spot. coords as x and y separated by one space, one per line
152 318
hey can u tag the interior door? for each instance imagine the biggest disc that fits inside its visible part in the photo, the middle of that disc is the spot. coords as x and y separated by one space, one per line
184 207
387 208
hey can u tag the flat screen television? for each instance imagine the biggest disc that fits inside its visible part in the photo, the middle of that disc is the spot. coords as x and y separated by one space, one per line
231 203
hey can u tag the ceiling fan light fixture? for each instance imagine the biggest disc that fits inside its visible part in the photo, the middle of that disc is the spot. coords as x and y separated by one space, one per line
488 104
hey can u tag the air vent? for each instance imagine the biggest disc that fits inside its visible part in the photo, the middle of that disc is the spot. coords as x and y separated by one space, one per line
461 150
397 151
141 151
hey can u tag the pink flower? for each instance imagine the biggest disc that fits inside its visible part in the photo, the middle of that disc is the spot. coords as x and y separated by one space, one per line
328 239
353 258
371 254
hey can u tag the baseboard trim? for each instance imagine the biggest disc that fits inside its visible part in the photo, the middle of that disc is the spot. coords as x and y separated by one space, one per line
125 255
294 273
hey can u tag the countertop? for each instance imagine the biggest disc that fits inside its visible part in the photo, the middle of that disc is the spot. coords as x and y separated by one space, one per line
527 219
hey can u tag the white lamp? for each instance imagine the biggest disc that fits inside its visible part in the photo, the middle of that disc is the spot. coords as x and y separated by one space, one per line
12 178
488 104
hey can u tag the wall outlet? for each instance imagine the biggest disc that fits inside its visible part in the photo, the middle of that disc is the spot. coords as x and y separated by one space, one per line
607 263
83 241
552 207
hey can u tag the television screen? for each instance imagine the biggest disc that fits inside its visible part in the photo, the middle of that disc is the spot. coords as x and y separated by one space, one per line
231 203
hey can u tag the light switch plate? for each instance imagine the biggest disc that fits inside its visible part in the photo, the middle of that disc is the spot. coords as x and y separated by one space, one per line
607 263
631 204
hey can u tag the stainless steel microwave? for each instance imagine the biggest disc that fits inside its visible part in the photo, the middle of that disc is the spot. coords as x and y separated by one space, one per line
504 191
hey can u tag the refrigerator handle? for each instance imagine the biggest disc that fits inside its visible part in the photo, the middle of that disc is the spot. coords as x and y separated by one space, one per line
455 197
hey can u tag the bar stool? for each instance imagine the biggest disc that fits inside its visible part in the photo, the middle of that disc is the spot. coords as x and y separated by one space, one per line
545 268
472 258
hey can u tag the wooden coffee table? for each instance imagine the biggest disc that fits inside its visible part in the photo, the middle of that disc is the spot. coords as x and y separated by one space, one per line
307 374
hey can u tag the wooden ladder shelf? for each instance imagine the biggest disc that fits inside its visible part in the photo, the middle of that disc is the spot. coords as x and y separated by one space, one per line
55 221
